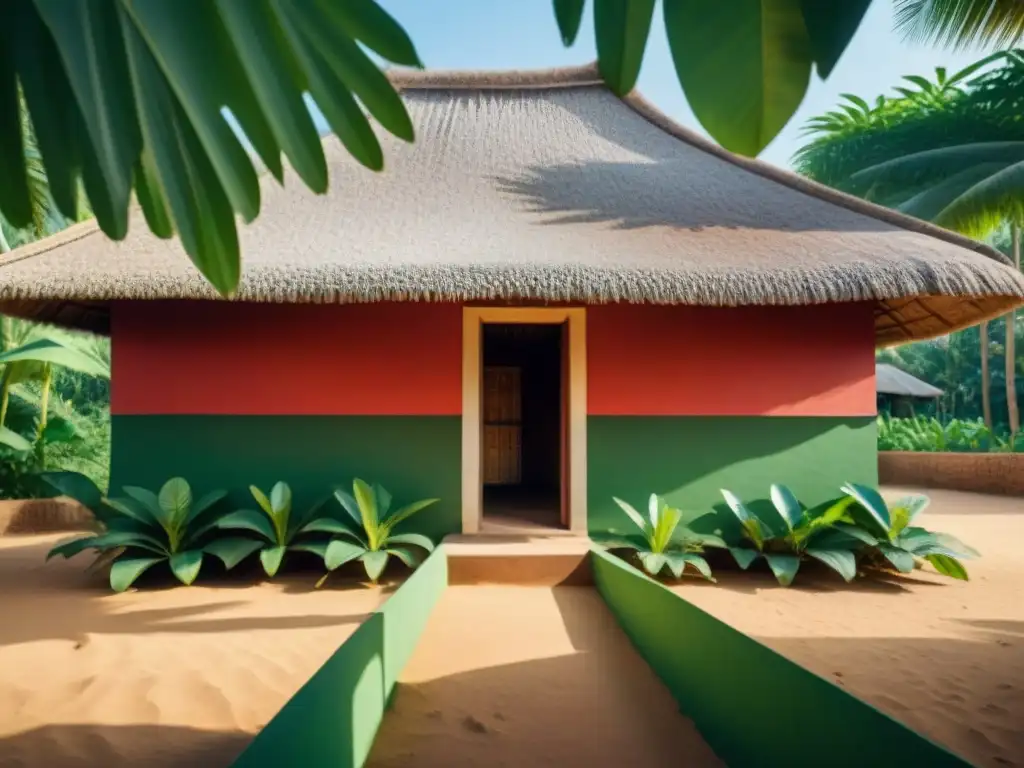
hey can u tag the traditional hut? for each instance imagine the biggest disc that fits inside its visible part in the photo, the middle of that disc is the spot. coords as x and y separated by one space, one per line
553 297
898 391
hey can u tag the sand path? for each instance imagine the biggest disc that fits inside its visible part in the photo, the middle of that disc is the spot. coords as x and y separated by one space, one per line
944 657
160 677
531 676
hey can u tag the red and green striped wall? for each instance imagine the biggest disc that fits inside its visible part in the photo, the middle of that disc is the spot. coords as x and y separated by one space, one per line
682 401
228 395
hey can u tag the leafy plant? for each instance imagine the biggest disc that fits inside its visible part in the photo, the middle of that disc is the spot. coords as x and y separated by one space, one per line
368 535
662 541
145 528
794 533
892 540
927 434
277 526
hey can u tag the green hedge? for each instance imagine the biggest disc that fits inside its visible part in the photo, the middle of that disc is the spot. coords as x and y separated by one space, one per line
332 720
751 704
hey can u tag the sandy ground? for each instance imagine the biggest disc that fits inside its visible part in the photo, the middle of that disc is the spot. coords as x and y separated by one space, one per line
531 676
944 657
161 677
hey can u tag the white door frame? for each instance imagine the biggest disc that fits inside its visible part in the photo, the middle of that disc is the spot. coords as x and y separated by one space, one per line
473 319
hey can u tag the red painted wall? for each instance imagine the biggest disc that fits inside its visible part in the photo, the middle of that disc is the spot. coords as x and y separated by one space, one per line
211 357
647 360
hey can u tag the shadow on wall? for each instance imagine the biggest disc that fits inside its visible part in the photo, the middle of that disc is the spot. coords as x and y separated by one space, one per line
689 459
586 707
121 746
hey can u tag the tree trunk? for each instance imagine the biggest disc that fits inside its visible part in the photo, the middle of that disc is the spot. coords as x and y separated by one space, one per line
1011 351
986 399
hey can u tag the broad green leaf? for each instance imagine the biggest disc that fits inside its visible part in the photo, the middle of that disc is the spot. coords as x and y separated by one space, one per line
367 501
677 562
185 565
175 499
356 70
952 542
374 562
174 157
343 114
841 561
875 515
744 557
901 560
609 541
350 505
13 440
89 40
46 350
408 511
318 548
654 505
786 505
281 499
415 539
15 197
856 532
262 500
147 500
71 548
833 538
232 550
125 570
411 557
633 515
668 520
367 22
250 520
621 28
383 500
1002 191
653 562
276 79
340 552
206 501
948 566
830 27
569 15
934 198
784 567
151 197
330 525
271 558
744 66
126 508
941 162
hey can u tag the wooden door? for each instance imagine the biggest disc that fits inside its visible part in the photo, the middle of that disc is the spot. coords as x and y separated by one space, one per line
563 475
503 425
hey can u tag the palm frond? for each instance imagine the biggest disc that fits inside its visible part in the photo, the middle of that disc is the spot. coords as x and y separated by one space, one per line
961 24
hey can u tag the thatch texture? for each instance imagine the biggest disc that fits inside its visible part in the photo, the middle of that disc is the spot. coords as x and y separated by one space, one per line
545 186
890 380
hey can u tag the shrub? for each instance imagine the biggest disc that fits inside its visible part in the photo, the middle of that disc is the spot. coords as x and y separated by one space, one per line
793 533
368 535
892 541
928 434
144 529
279 530
663 542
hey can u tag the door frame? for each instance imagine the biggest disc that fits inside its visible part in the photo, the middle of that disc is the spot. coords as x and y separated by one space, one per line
473 320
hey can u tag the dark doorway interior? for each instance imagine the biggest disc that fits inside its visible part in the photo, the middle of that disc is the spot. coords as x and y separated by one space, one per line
521 432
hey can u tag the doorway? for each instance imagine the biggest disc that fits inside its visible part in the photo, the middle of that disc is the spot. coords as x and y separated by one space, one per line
523 425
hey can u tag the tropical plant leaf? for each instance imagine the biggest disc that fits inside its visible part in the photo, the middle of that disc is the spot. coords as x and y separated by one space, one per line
410 557
786 505
125 570
68 549
350 505
784 567
271 557
744 557
667 521
262 500
652 562
128 508
175 499
621 29
330 525
948 566
340 552
383 500
13 440
632 514
876 514
318 548
374 562
830 27
185 565
743 79
251 520
415 539
841 561
206 501
408 511
371 25
953 543
47 350
678 561
280 498
232 550
900 559
569 15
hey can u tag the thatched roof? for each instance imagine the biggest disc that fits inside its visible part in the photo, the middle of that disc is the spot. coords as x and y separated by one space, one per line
890 380
545 186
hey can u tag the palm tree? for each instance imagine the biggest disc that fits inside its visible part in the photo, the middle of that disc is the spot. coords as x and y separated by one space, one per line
962 23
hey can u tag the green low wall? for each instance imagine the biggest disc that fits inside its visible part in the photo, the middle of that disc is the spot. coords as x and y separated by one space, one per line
332 720
752 705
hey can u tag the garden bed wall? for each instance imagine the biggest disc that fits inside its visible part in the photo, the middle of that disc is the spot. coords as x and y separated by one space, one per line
43 516
332 720
1001 473
752 705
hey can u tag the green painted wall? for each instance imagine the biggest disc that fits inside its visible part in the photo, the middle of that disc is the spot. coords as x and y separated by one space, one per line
414 457
332 720
753 706
688 459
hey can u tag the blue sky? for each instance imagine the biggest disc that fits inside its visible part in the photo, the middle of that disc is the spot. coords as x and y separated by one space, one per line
510 34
